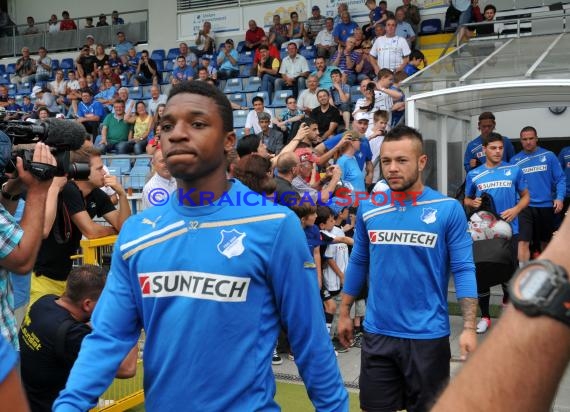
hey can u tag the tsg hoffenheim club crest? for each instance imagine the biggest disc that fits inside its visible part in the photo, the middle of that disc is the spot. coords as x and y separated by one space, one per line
231 243
428 215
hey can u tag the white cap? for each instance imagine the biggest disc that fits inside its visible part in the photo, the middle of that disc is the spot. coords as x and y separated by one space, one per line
361 116
35 90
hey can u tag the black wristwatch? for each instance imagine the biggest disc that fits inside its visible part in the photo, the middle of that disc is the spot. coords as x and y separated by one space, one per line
541 287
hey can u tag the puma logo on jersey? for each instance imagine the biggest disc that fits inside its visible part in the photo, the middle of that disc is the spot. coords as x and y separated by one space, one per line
147 221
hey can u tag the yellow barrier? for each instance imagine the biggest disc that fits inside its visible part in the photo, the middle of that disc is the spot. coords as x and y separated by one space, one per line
122 394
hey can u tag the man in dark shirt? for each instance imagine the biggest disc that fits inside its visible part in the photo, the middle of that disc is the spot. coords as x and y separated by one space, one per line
327 116
85 62
287 168
147 71
70 207
51 336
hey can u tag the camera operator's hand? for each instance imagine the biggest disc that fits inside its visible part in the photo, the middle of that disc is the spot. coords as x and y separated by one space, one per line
43 155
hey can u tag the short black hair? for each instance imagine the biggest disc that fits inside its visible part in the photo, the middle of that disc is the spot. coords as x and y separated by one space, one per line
489 7
416 54
207 90
529 129
323 214
257 99
309 121
85 282
487 116
247 145
493 137
402 132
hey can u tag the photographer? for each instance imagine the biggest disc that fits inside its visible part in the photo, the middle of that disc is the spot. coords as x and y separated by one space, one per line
19 244
147 71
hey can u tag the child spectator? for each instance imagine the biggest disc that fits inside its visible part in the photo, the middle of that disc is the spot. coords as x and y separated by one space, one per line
340 95
385 96
416 59
399 107
13 109
376 137
27 105
375 17
212 71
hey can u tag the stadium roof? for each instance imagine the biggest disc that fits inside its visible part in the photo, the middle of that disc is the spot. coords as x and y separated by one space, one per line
497 75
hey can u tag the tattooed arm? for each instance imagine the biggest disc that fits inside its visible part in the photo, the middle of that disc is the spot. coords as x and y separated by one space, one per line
468 338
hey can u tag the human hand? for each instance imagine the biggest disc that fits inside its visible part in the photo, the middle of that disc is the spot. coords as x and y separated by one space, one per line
467 342
558 205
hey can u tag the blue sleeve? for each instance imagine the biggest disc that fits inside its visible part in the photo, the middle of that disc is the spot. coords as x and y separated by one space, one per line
9 359
99 110
332 141
294 281
558 177
365 149
470 189
460 248
81 110
336 30
509 151
467 157
355 275
116 328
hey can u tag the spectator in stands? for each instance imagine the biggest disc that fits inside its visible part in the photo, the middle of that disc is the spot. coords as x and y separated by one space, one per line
465 8
116 132
358 36
123 93
228 61
44 98
31 29
184 50
13 110
547 187
272 49
308 100
277 32
27 105
267 69
294 70
290 119
391 50
474 153
271 137
206 41
255 171
314 25
251 143
385 95
89 23
157 116
346 59
85 62
367 67
115 19
323 73
66 23
115 62
43 66
341 8
53 24
58 87
327 116
412 14
107 73
142 123
102 21
73 91
202 74
3 95
92 83
344 29
90 112
182 72
416 59
252 121
90 41
161 179
296 30
123 45
107 94
130 62
212 71
467 32
154 143
100 58
375 16
379 31
25 68
253 36
156 98
340 95
147 71
51 337
403 28
325 41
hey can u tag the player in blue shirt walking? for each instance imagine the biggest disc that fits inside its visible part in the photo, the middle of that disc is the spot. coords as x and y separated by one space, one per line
564 158
547 187
408 249
474 153
507 187
212 284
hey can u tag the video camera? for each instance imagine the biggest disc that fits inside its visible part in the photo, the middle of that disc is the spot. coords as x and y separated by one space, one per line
61 136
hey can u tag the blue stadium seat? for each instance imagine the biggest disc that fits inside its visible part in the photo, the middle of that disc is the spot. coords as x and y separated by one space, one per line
245 58
238 98
54 64
11 90
239 118
244 71
158 55
309 52
123 165
283 53
11 68
159 65
240 132
2 69
252 84
240 47
142 162
24 88
169 66
5 79
66 64
173 53
355 93
233 86
135 92
280 97
312 66
430 26
146 92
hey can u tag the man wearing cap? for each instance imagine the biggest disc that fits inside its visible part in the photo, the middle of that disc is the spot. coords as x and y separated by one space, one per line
123 45
315 24
308 183
44 98
90 41
116 19
270 136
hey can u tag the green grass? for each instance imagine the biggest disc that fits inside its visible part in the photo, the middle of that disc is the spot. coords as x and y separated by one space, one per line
292 398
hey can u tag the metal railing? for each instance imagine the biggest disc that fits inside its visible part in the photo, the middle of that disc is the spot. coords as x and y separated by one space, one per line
135 29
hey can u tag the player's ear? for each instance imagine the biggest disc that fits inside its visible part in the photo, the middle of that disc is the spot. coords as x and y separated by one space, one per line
422 161
229 141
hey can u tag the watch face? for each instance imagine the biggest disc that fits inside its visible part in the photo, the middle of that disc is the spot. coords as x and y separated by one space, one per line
534 284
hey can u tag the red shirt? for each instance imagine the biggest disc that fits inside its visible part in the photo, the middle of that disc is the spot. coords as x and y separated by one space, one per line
254 36
273 52
67 25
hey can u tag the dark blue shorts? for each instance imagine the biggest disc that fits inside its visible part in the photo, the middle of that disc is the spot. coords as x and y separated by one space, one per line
397 374
536 223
